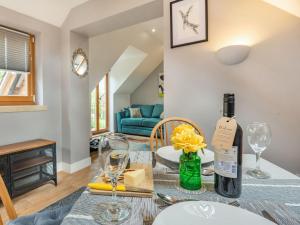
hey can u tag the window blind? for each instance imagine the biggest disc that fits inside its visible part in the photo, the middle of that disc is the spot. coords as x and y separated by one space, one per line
14 50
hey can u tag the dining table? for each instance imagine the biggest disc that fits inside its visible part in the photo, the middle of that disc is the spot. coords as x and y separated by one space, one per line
279 195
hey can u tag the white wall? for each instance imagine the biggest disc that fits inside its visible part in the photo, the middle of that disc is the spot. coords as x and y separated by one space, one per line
120 71
147 92
21 126
266 84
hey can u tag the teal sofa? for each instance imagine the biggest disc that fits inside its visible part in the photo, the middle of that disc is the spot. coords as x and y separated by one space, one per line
139 126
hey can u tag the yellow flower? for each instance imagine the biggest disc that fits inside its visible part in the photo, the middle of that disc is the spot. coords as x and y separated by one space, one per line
184 138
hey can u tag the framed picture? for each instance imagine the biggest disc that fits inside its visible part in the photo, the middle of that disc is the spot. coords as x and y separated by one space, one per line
189 22
161 88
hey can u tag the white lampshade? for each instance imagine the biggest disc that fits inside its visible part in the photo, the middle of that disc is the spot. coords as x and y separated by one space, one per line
233 54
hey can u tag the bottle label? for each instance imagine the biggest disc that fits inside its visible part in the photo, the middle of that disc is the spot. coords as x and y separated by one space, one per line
224 134
226 162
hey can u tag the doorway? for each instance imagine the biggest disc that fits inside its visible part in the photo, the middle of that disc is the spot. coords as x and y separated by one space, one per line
99 107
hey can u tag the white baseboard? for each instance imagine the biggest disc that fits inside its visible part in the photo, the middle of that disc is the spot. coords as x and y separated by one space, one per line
74 167
59 166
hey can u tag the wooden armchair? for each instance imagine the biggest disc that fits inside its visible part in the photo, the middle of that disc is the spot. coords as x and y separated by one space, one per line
7 202
161 133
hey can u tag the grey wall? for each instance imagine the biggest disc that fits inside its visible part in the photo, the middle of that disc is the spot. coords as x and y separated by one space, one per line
79 113
266 84
15 127
75 103
147 92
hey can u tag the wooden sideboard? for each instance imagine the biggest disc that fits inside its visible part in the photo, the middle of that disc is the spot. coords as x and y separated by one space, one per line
28 165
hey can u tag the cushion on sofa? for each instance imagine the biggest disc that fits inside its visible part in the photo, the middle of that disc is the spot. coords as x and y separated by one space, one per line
125 127
158 109
150 122
132 122
135 112
137 131
146 110
127 112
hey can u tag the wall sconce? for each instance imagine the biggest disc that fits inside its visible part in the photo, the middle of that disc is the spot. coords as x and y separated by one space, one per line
233 54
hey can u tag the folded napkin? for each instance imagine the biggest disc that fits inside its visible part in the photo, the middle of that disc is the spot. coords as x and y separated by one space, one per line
105 187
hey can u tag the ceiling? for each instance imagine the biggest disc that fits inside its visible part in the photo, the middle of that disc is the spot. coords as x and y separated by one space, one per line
56 11
291 6
50 11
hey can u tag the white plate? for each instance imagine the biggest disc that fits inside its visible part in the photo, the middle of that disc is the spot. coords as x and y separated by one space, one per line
170 154
208 213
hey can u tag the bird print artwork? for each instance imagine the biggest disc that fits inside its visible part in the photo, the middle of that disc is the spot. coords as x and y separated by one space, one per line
186 20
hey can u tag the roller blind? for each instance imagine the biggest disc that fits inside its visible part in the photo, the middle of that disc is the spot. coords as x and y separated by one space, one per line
14 50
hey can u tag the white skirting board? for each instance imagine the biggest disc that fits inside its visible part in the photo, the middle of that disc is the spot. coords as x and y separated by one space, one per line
74 167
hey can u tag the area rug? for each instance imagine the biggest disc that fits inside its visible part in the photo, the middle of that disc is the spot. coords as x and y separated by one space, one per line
68 200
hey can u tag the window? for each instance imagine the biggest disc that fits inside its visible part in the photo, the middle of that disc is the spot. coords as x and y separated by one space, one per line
99 107
17 86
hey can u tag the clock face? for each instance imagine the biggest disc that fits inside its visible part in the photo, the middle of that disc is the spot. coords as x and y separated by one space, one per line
80 63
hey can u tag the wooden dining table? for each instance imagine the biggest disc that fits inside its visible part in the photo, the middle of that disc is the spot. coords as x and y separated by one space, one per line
280 195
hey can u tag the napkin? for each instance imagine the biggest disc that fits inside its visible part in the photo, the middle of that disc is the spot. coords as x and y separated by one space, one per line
106 187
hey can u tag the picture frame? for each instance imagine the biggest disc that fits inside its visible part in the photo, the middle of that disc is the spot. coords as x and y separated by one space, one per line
189 22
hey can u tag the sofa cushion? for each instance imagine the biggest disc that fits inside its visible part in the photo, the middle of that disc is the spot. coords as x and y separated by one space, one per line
146 110
146 131
125 127
132 122
157 111
150 122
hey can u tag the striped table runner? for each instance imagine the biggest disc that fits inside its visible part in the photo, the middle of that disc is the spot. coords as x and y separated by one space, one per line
281 198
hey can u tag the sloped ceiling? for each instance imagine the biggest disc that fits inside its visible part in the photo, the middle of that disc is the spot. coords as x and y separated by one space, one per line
291 6
106 49
50 11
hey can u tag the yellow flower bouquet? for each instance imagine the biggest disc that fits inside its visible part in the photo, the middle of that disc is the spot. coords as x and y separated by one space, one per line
185 138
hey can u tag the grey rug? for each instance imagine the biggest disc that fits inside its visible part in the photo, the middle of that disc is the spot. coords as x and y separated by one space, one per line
66 201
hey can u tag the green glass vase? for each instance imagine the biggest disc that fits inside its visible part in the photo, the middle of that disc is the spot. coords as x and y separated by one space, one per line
190 171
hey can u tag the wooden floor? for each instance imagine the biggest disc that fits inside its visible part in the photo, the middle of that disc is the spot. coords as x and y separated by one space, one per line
46 195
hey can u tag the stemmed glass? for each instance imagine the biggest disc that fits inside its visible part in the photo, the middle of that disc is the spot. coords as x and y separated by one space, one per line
259 138
113 156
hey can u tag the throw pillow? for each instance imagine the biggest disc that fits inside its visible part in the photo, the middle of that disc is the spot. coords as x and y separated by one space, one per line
135 112
127 112
158 109
146 110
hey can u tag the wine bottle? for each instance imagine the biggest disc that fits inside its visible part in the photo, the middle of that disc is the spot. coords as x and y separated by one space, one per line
228 163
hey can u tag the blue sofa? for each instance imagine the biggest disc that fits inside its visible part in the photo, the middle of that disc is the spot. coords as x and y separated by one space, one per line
139 126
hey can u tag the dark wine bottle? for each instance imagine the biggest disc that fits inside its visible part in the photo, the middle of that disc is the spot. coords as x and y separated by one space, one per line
228 163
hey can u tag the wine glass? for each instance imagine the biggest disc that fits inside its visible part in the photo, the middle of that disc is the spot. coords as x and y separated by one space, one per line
259 138
114 157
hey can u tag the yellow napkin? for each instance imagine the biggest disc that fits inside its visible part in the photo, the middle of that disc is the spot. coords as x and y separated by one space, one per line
105 187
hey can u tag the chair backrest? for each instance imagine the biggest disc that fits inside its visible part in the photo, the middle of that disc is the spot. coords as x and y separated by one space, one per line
7 202
161 133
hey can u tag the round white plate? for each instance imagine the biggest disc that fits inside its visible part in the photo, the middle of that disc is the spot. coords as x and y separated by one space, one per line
170 154
208 213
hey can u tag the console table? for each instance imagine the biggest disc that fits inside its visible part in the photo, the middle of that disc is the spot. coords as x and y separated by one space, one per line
28 165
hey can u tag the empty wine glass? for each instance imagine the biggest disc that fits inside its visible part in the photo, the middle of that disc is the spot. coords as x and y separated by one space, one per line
113 158
259 138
